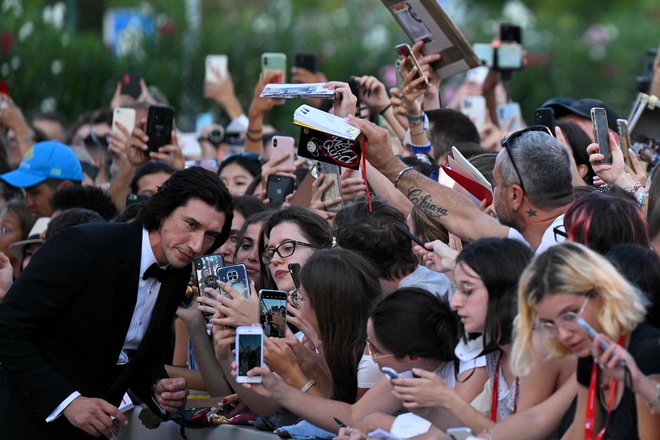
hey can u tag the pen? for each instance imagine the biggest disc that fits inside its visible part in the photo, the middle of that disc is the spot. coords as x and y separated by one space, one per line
340 423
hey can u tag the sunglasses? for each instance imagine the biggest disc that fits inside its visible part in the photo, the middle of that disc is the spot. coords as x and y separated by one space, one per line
507 144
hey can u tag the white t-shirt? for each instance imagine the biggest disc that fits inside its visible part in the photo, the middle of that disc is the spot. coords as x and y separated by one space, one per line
548 238
368 372
435 282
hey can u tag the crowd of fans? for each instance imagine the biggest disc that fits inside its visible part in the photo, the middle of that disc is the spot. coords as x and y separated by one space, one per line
484 323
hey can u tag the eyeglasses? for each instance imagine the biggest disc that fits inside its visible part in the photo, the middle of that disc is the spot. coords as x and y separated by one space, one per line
507 144
284 250
370 350
567 321
560 233
94 139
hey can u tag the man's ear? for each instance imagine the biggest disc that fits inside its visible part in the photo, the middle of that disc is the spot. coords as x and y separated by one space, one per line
516 195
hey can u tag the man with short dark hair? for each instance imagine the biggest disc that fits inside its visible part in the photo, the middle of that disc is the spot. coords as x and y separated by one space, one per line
91 316
45 168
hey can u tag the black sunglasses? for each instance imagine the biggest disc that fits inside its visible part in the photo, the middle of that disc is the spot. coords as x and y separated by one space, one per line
507 144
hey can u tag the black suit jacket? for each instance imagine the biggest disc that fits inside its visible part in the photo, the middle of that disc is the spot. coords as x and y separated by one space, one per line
64 321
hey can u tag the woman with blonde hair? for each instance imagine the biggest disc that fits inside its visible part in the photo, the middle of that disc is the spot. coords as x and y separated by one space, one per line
565 290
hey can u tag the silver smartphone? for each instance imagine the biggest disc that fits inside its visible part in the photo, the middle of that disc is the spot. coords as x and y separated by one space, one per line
592 334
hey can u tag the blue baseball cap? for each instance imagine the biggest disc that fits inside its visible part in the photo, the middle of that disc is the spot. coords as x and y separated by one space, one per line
45 160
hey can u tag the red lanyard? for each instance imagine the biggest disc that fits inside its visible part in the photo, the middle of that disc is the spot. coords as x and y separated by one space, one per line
364 172
591 402
494 397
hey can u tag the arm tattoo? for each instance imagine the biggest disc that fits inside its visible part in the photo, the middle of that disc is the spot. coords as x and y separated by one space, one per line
423 200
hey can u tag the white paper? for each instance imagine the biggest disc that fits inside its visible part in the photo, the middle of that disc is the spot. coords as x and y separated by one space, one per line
316 119
307 90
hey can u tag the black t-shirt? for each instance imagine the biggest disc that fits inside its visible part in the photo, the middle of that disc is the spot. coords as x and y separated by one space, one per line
645 349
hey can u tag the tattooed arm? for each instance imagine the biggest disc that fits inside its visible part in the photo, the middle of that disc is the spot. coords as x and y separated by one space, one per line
455 211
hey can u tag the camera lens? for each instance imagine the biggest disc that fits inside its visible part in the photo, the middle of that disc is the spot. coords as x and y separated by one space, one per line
274 142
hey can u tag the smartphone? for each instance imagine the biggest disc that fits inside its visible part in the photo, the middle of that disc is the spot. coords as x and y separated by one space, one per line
274 61
510 110
272 316
545 116
280 145
390 372
206 271
160 121
509 57
404 50
294 270
134 199
592 334
511 33
624 140
249 352
601 133
130 85
404 230
484 52
237 277
306 60
215 65
331 172
278 187
126 116
474 107
460 433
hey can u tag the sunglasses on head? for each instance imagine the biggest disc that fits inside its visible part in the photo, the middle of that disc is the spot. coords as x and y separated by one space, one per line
507 144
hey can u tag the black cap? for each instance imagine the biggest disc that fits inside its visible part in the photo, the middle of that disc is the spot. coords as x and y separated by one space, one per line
564 106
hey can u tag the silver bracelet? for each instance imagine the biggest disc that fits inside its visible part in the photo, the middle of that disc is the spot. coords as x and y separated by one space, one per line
308 385
401 173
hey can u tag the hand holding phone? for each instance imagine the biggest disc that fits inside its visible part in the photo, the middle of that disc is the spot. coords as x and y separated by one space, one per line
404 230
278 187
276 62
601 133
545 116
160 122
408 58
236 276
624 140
249 352
593 335
390 372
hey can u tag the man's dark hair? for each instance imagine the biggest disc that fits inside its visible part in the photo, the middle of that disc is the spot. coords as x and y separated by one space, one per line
248 205
450 127
52 116
150 167
54 183
88 197
373 235
184 185
72 217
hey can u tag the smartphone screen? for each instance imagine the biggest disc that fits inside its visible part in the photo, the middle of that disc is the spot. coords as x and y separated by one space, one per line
160 120
273 61
545 116
130 85
249 352
278 187
236 276
272 316
601 133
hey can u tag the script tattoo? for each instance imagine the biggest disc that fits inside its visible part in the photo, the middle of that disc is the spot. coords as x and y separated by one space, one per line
531 213
424 201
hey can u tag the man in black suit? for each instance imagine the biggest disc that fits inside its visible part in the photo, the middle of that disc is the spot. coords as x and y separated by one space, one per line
90 319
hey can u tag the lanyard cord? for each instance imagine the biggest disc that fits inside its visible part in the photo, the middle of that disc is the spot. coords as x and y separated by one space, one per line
494 399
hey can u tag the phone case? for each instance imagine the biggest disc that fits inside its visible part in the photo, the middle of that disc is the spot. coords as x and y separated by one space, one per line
624 140
124 115
404 50
506 111
273 312
160 120
545 116
249 352
278 187
325 147
236 276
475 108
601 133
280 145
334 191
217 62
206 271
274 61
306 61
130 85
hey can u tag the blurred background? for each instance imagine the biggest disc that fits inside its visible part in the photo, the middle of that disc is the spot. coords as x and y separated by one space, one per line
68 55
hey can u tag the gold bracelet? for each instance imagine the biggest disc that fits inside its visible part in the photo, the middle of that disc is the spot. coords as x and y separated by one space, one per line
308 385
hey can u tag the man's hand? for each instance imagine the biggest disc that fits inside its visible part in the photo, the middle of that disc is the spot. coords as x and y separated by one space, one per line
378 145
95 416
171 393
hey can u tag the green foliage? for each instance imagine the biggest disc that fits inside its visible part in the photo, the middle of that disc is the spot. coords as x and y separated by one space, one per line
349 37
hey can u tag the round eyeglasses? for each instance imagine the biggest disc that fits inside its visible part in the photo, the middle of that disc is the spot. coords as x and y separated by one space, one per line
567 321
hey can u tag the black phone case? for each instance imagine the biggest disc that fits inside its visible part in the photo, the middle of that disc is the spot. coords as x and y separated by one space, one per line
278 187
130 85
325 147
160 121
545 116
271 302
601 133
236 276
